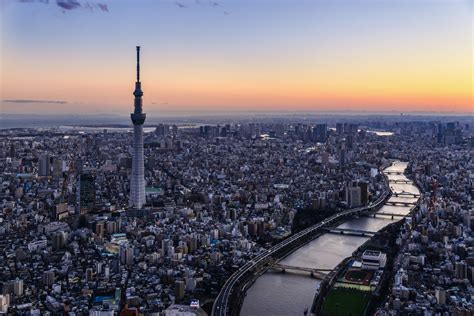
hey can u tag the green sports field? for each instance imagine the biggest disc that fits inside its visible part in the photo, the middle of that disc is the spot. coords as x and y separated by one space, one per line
345 302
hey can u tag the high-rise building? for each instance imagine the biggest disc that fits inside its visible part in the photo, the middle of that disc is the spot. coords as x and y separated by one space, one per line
59 239
440 295
460 270
353 196
44 167
57 168
4 303
126 255
137 181
89 274
18 287
12 152
86 193
364 192
320 133
162 130
179 290
48 277
325 159
340 128
342 157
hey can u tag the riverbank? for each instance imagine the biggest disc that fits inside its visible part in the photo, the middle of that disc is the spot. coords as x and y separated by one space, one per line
230 297
327 301
269 292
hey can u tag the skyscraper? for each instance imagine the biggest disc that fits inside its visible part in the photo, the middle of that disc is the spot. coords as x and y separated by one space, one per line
137 181
44 166
320 133
86 193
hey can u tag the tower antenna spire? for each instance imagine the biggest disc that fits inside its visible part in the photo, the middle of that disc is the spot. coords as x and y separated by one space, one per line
138 63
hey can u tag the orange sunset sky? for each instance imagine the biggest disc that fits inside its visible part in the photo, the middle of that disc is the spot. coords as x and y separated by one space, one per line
237 56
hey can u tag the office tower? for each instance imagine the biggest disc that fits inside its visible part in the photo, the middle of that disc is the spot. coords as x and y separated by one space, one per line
59 239
350 141
100 228
320 133
460 270
364 192
137 181
340 128
86 193
325 159
44 168
4 303
126 255
342 157
48 277
18 287
89 274
57 168
162 130
12 152
77 165
353 129
440 295
353 196
179 290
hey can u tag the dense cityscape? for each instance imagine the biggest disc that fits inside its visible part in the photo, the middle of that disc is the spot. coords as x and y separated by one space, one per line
236 158
217 196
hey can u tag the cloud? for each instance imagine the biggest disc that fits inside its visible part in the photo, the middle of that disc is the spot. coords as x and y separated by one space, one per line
68 4
26 1
32 1
96 6
201 3
35 101
103 7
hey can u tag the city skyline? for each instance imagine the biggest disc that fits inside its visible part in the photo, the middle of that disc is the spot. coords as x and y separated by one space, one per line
236 157
226 56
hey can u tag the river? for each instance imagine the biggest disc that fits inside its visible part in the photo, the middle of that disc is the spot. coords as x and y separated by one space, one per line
276 293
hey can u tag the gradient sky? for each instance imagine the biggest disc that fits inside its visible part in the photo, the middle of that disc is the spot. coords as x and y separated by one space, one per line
78 56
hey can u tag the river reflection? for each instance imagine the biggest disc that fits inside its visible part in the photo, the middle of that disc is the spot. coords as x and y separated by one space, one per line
275 293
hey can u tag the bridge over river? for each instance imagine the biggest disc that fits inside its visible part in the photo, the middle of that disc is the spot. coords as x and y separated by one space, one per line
231 296
318 273
228 300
